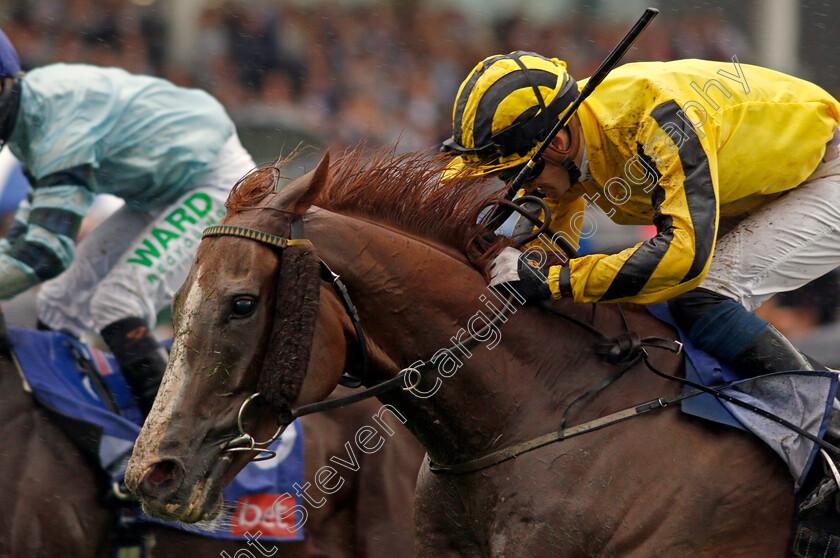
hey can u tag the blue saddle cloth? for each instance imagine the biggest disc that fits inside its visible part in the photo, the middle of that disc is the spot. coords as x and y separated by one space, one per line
56 367
803 398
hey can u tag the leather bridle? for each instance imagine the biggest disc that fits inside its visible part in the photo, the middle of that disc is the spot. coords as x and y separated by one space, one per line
245 441
296 239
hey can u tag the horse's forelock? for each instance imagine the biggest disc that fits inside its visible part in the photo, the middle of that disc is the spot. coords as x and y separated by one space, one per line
257 184
250 189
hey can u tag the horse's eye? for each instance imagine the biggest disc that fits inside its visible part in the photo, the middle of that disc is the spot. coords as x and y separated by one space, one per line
243 306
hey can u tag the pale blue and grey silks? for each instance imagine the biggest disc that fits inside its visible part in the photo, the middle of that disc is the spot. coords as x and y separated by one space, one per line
803 398
83 130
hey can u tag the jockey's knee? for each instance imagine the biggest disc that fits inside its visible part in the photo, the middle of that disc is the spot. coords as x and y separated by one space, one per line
714 322
689 307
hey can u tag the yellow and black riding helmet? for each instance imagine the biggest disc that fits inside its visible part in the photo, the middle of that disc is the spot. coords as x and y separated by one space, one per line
507 105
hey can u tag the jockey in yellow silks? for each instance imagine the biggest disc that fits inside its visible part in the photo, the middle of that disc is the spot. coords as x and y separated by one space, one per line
686 146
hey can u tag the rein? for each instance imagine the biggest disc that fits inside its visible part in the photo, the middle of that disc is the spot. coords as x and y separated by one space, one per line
563 433
615 350
626 348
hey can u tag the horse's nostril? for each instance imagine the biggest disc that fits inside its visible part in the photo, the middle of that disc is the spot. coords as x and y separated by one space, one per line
162 473
159 487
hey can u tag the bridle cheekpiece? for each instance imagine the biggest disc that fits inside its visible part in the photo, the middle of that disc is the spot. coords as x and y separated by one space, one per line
246 442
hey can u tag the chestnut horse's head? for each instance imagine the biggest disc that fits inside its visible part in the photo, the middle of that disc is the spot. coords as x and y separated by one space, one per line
239 290
254 315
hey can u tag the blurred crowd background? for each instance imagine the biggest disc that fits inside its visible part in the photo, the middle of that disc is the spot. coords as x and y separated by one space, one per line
340 72
334 73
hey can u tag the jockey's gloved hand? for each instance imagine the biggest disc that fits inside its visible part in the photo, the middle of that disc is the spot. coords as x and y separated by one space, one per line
519 272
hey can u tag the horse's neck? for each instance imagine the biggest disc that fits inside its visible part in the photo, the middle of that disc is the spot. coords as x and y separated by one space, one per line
417 301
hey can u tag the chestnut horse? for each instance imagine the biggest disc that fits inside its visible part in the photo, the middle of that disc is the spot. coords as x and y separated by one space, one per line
54 500
412 257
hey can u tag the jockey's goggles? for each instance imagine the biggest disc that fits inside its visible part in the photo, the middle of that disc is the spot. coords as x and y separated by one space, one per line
510 173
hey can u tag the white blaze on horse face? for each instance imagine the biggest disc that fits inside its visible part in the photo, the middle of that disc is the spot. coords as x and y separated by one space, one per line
176 371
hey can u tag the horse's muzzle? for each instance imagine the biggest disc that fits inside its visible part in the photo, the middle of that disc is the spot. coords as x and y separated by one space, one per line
162 481
168 493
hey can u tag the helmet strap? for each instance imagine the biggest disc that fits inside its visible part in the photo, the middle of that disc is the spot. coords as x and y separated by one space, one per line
567 156
573 170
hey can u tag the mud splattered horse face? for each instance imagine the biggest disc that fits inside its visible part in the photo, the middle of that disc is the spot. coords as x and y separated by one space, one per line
238 291
225 315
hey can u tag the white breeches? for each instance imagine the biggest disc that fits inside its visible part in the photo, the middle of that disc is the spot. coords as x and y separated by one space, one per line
784 245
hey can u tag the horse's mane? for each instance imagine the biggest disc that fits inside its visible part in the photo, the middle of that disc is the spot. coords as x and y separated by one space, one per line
402 190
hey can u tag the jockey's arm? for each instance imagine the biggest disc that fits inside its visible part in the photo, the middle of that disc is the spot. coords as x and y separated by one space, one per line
685 213
41 242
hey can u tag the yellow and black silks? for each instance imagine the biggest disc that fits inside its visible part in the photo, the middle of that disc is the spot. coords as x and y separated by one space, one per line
680 144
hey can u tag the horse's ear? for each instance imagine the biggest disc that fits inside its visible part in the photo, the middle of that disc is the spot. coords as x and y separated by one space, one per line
301 193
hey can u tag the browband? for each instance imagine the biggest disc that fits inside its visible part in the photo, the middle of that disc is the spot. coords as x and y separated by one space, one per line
253 234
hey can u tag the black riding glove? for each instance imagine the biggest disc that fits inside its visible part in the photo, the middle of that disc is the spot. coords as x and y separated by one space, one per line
517 272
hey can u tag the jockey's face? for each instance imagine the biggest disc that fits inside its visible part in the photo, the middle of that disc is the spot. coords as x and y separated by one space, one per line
553 181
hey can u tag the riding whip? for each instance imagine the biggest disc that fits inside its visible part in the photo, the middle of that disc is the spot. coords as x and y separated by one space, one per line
606 66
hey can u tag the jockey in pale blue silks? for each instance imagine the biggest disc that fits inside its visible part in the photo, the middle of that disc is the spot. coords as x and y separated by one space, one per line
171 153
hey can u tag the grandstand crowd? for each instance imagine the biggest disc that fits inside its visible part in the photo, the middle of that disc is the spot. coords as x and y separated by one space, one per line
385 71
